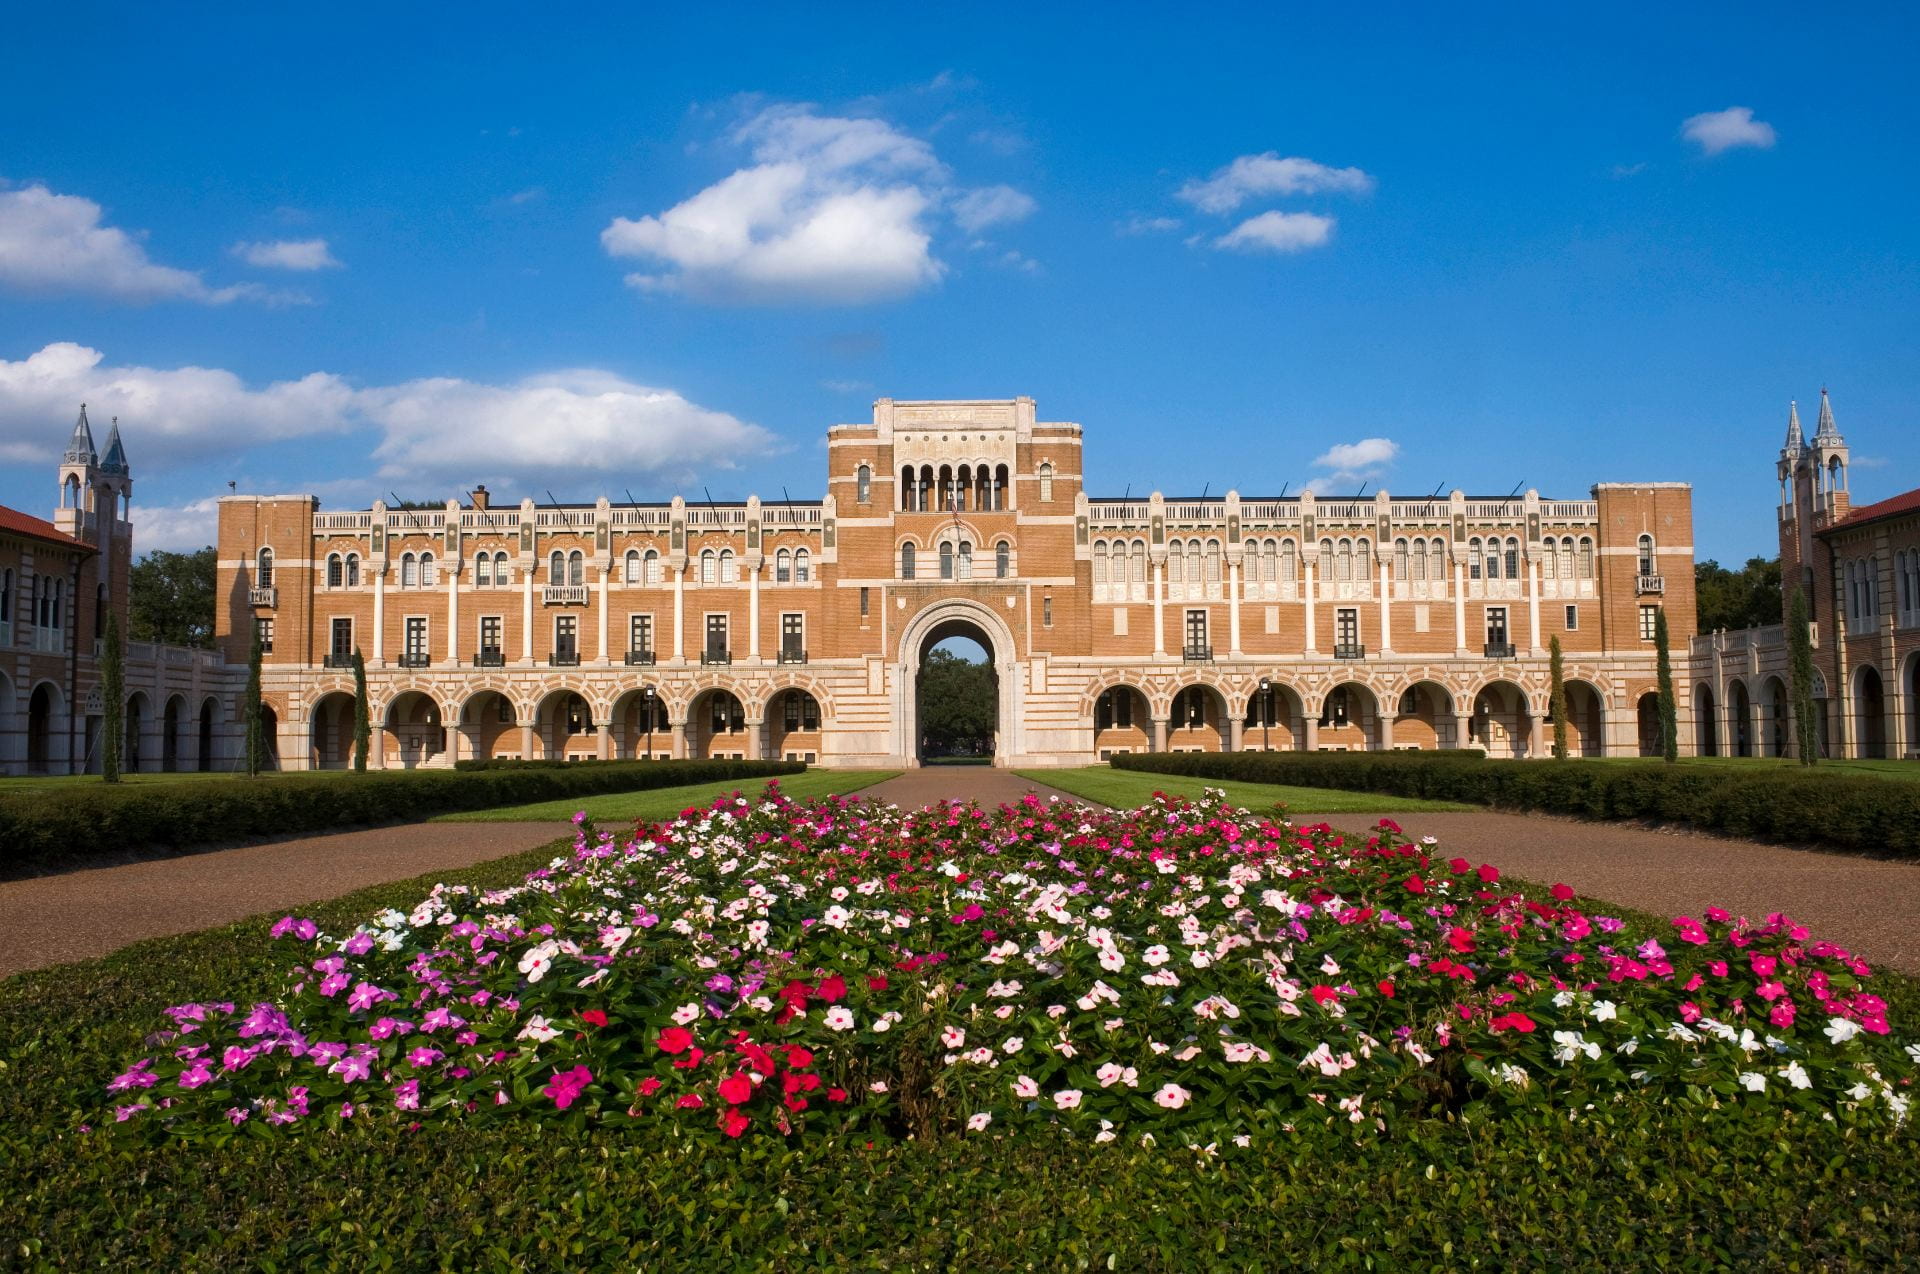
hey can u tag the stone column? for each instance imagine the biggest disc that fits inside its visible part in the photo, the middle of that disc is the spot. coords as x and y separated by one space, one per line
1235 729
1536 736
379 615
679 613
453 615
1159 734
453 742
755 732
678 729
1386 731
526 742
1233 612
1313 635
1159 608
606 576
1533 607
1310 731
378 759
1461 735
1386 610
753 613
1459 608
604 744
526 617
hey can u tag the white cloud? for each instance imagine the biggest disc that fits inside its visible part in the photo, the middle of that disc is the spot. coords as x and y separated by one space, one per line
52 243
1254 176
551 427
1350 462
1147 225
1716 131
833 210
991 206
178 528
1278 232
288 254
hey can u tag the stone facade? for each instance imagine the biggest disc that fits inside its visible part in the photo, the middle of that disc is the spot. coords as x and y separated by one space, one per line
797 629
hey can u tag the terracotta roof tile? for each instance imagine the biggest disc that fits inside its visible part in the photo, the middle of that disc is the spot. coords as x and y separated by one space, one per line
1906 502
17 523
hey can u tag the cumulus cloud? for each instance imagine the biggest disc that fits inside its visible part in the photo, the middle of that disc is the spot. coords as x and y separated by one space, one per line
1716 131
549 427
288 254
54 243
1278 232
1260 176
833 210
1351 461
176 528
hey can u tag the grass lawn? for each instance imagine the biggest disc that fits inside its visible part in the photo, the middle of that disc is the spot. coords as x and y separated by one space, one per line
627 807
59 782
1125 789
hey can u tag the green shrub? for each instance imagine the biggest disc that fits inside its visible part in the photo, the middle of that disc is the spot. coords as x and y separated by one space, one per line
1854 813
46 829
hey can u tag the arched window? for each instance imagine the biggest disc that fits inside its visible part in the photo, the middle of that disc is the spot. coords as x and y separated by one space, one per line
1646 555
1003 560
1176 567
1566 557
483 571
653 566
1513 558
1475 567
1213 566
729 570
1437 558
1362 559
353 570
1417 563
909 490
1046 481
966 560
630 567
1547 557
946 559
409 571
802 566
336 570
709 566
6 596
556 567
1190 708
500 576
1586 557
1401 561
1194 584
906 561
1289 563
1338 708
1100 568
576 567
263 569
863 484
1000 487
783 566
427 574
1343 561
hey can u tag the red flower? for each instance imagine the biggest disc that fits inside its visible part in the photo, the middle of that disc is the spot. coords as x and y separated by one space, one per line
1458 866
1459 939
594 1017
1415 885
876 984
1386 989
1512 1022
840 1094
1489 874
736 1088
691 1060
1321 994
733 1123
675 1039
1562 892
833 989
649 1086
798 1057
691 1101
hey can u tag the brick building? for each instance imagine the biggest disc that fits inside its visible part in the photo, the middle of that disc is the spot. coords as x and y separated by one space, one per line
59 581
1861 569
798 628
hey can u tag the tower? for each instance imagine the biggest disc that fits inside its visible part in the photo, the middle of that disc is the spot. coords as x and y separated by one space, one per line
79 469
1828 457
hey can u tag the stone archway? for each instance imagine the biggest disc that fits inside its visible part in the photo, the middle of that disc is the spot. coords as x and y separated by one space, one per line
958 617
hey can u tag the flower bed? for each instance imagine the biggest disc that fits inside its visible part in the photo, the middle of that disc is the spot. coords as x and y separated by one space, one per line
1179 973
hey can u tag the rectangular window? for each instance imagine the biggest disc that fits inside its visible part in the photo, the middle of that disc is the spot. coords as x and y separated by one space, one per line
566 636
716 635
1346 627
490 635
793 636
640 634
341 643
264 626
1648 621
1573 619
416 647
865 602
1046 610
1496 625
1196 632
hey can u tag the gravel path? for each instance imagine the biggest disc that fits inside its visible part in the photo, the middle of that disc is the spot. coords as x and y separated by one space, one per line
980 783
82 914
1865 904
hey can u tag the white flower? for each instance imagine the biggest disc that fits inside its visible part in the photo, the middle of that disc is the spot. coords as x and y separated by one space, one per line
538 1030
1329 966
979 1122
1024 1086
1014 1045
1067 1099
953 1037
1797 1075
757 932
836 916
1840 1030
1605 1011
1157 955
839 1018
1753 1081
883 1023
1112 961
1108 1075
687 1013
1568 1045
877 1086
1172 1096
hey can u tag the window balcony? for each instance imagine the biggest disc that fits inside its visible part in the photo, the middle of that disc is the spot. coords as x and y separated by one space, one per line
1499 650
640 659
564 659
268 597
792 655
1644 584
563 594
338 660
716 656
416 659
490 659
1350 650
1198 654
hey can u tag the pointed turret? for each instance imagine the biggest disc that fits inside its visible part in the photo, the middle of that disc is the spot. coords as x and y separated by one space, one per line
80 449
115 461
1825 430
1796 442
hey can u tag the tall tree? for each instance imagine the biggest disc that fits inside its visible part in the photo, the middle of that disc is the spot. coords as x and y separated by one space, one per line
1806 725
1557 697
1746 598
957 702
256 739
170 598
113 689
1669 727
362 716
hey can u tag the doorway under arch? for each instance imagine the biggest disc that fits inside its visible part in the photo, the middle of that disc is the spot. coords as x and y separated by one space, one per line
973 623
956 696
332 740
1870 703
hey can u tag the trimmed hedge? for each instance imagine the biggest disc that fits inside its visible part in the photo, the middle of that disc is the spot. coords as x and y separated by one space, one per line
1856 813
49 828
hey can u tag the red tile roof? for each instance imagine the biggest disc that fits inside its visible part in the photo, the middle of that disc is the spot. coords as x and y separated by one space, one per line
1907 502
14 522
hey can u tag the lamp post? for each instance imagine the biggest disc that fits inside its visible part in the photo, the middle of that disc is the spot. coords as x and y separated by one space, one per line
1266 714
650 711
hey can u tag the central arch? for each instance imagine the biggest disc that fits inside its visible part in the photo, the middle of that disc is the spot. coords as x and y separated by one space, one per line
957 617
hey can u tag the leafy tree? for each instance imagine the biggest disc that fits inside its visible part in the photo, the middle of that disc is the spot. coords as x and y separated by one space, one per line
256 735
1806 728
171 597
1747 598
113 688
362 716
958 701
1557 700
1669 729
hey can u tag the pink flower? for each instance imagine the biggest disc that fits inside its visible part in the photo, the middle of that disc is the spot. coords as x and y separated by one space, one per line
1067 1099
1172 1096
568 1085
406 1096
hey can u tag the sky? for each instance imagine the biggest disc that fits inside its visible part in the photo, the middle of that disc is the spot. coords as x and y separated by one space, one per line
377 252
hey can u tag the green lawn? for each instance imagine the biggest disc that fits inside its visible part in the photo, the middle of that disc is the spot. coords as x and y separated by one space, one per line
665 802
1908 770
1125 789
57 782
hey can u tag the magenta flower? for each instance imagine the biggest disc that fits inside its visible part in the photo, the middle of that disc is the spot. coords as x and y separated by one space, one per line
568 1085
406 1095
135 1076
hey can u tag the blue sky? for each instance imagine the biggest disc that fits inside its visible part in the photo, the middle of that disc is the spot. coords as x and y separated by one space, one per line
372 251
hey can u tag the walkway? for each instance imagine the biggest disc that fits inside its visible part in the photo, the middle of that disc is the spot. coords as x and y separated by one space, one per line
79 915
1864 904
982 783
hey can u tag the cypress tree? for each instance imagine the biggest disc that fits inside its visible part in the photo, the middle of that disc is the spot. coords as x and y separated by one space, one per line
1669 729
256 743
1557 698
1806 725
113 689
362 716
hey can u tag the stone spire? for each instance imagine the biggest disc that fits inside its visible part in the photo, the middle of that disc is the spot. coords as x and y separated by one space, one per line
1796 443
1825 431
115 461
80 449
